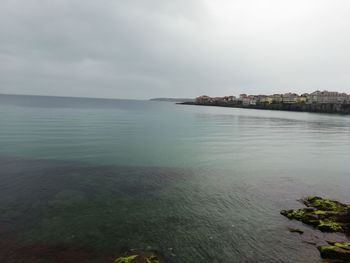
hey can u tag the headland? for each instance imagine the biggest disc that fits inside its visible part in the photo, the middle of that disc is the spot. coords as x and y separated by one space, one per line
318 101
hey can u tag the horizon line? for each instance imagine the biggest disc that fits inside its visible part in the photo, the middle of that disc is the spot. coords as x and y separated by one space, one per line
73 97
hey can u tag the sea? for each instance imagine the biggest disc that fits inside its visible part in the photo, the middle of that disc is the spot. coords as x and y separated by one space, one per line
84 180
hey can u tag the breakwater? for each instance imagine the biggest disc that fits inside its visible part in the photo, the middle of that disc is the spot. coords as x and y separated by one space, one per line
314 107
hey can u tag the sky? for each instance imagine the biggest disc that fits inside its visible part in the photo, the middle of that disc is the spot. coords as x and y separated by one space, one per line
140 49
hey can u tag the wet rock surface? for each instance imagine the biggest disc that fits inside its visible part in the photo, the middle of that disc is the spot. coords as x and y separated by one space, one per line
324 214
134 256
295 230
327 216
336 250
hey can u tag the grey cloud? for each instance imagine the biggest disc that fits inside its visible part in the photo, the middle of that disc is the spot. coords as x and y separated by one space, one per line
142 49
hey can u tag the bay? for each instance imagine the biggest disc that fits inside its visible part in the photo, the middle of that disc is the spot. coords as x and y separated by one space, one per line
199 184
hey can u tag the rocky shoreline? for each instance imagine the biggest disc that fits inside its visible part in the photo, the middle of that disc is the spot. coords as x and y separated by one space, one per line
327 216
317 108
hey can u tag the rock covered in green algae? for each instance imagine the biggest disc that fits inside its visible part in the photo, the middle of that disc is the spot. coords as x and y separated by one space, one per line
336 250
126 259
324 204
138 257
324 214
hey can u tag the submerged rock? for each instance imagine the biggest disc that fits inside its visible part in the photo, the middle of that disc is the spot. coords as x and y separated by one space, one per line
295 230
138 257
336 250
324 214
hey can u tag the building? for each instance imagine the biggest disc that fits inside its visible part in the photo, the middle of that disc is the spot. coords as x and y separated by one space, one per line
246 101
322 97
253 99
290 98
203 99
229 99
249 100
302 99
266 100
328 97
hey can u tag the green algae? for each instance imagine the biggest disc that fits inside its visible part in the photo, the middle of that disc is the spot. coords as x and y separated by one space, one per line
128 259
324 214
328 216
329 226
140 257
295 214
336 250
320 212
342 244
324 204
152 259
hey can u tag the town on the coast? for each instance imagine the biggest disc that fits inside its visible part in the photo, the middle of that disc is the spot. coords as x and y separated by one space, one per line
318 101
308 98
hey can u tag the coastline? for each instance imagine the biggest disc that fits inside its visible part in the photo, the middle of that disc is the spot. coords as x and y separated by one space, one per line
328 108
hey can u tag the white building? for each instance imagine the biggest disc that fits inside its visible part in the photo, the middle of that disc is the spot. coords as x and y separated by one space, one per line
290 98
328 97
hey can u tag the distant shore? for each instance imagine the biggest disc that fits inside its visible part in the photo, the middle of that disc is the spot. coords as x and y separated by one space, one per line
179 100
332 108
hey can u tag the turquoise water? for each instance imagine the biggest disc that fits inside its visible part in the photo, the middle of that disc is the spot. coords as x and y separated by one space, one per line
199 184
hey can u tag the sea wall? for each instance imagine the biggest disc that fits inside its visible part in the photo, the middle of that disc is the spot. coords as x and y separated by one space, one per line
319 107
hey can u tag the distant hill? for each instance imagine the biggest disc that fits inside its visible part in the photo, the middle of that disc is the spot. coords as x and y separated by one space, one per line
173 99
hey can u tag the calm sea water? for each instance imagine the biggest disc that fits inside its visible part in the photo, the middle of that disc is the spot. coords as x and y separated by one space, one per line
199 184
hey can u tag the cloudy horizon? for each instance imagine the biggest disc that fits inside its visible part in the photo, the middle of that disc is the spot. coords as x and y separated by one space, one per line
144 49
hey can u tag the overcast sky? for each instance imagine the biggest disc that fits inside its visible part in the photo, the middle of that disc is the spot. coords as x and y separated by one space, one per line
173 48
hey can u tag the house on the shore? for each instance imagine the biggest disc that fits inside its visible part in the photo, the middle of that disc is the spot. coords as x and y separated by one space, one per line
302 99
266 99
229 99
203 99
317 97
277 98
329 97
290 98
248 100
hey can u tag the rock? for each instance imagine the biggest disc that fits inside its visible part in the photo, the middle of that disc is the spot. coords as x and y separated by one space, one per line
295 230
336 250
344 216
324 204
329 226
126 259
324 214
310 242
138 257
